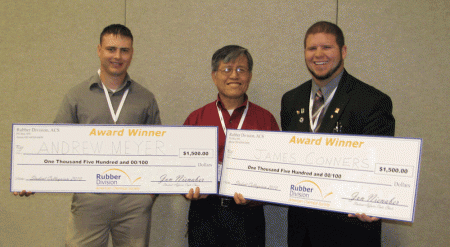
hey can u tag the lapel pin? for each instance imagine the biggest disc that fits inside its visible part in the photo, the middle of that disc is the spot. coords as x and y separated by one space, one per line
331 116
301 120
303 110
337 110
298 112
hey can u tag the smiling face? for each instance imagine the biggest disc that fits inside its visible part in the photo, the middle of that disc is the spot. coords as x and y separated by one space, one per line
115 53
232 79
323 57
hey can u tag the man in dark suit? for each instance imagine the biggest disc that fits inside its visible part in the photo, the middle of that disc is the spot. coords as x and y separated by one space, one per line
333 102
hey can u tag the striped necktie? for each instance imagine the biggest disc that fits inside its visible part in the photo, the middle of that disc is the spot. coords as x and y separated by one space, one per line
316 113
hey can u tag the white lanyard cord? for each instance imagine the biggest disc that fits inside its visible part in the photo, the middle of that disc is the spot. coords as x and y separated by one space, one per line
317 113
114 116
222 121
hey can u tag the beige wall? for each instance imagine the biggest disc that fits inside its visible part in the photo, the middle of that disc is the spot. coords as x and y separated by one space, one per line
400 47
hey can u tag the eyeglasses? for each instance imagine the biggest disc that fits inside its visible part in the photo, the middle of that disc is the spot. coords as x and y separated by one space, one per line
228 71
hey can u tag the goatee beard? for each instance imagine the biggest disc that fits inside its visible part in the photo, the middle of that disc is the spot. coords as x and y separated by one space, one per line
327 75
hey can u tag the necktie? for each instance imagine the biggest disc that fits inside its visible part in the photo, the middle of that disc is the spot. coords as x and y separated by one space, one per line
316 110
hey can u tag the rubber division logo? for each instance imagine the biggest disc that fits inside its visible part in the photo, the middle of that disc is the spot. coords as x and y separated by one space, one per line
307 189
115 177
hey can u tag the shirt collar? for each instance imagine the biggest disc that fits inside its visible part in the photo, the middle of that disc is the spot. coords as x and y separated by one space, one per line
328 89
97 82
243 105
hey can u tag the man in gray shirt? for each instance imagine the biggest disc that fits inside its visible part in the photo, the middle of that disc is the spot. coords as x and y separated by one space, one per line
110 96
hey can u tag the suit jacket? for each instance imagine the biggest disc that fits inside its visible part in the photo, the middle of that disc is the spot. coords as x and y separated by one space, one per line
357 107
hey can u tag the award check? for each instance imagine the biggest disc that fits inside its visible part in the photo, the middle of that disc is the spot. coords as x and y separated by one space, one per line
343 173
113 158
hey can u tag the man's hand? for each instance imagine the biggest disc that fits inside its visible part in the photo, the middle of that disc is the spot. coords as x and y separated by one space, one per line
24 193
240 200
195 195
363 217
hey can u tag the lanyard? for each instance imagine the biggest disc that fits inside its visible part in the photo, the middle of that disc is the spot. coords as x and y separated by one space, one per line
115 115
319 111
219 169
223 122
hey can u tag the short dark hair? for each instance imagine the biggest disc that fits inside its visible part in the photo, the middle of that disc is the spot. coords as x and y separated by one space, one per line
230 53
326 27
116 29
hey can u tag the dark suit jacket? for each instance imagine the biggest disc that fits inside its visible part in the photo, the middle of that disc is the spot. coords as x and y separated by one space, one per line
359 109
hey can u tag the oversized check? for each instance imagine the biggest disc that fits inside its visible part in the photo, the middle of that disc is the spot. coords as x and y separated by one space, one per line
344 173
113 158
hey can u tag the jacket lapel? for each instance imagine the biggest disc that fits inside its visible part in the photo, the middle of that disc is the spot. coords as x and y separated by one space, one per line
337 106
302 110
